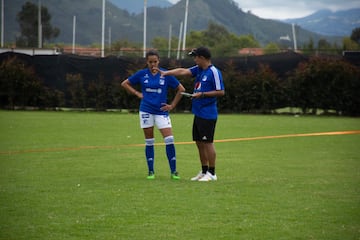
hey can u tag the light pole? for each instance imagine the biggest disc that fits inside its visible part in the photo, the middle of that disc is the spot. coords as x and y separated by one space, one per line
145 15
179 43
185 27
2 23
39 26
110 38
294 37
169 44
103 30
74 34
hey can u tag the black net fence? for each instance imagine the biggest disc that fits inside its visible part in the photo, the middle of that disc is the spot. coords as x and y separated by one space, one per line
68 80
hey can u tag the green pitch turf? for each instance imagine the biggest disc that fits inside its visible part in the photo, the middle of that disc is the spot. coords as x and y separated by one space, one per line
66 175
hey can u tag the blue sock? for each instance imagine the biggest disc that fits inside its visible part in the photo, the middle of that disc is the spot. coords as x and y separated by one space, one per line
149 153
170 152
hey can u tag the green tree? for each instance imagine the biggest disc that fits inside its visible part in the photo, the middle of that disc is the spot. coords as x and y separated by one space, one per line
355 35
162 45
248 41
309 47
324 46
217 37
28 21
195 38
215 34
220 40
126 48
271 48
349 44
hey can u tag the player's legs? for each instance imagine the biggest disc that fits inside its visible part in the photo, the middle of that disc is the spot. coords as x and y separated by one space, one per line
147 124
207 154
164 125
148 132
170 149
203 135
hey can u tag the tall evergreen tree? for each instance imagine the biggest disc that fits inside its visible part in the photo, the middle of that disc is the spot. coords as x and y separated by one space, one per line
28 21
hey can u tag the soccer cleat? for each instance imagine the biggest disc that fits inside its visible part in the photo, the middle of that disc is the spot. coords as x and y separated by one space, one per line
208 177
175 176
197 177
151 176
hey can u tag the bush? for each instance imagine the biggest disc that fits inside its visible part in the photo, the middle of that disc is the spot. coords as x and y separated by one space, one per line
19 84
328 84
255 91
317 83
76 91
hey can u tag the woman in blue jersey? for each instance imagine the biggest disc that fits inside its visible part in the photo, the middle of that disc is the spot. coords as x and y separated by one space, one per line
207 87
154 109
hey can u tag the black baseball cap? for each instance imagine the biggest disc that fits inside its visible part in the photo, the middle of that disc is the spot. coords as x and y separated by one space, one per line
200 51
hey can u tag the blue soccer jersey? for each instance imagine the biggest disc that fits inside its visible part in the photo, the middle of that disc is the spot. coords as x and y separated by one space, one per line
154 89
206 80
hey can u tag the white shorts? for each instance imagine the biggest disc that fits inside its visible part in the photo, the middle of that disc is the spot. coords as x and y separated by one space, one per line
149 120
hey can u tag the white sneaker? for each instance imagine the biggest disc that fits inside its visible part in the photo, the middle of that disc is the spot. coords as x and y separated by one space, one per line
208 177
197 177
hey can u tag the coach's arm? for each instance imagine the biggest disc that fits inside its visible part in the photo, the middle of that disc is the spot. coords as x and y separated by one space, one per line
176 72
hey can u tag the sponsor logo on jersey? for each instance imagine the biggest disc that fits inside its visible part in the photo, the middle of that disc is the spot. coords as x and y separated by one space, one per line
153 90
197 86
146 77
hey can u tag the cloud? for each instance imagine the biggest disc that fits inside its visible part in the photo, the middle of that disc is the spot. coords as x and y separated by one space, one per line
282 9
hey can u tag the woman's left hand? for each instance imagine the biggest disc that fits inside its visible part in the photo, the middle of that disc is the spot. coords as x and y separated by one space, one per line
166 107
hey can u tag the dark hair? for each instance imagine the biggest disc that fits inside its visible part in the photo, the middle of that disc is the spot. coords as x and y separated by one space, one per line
152 53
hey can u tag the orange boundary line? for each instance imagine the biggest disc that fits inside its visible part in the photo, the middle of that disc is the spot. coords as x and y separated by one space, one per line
180 143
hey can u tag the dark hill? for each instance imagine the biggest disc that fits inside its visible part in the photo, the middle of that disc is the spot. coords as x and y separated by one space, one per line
125 25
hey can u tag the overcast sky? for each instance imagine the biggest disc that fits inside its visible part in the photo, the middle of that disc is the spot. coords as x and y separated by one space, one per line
282 9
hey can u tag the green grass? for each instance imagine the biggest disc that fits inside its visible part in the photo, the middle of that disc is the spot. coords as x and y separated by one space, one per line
77 176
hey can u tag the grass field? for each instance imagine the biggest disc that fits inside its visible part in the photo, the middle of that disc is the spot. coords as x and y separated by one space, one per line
66 175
